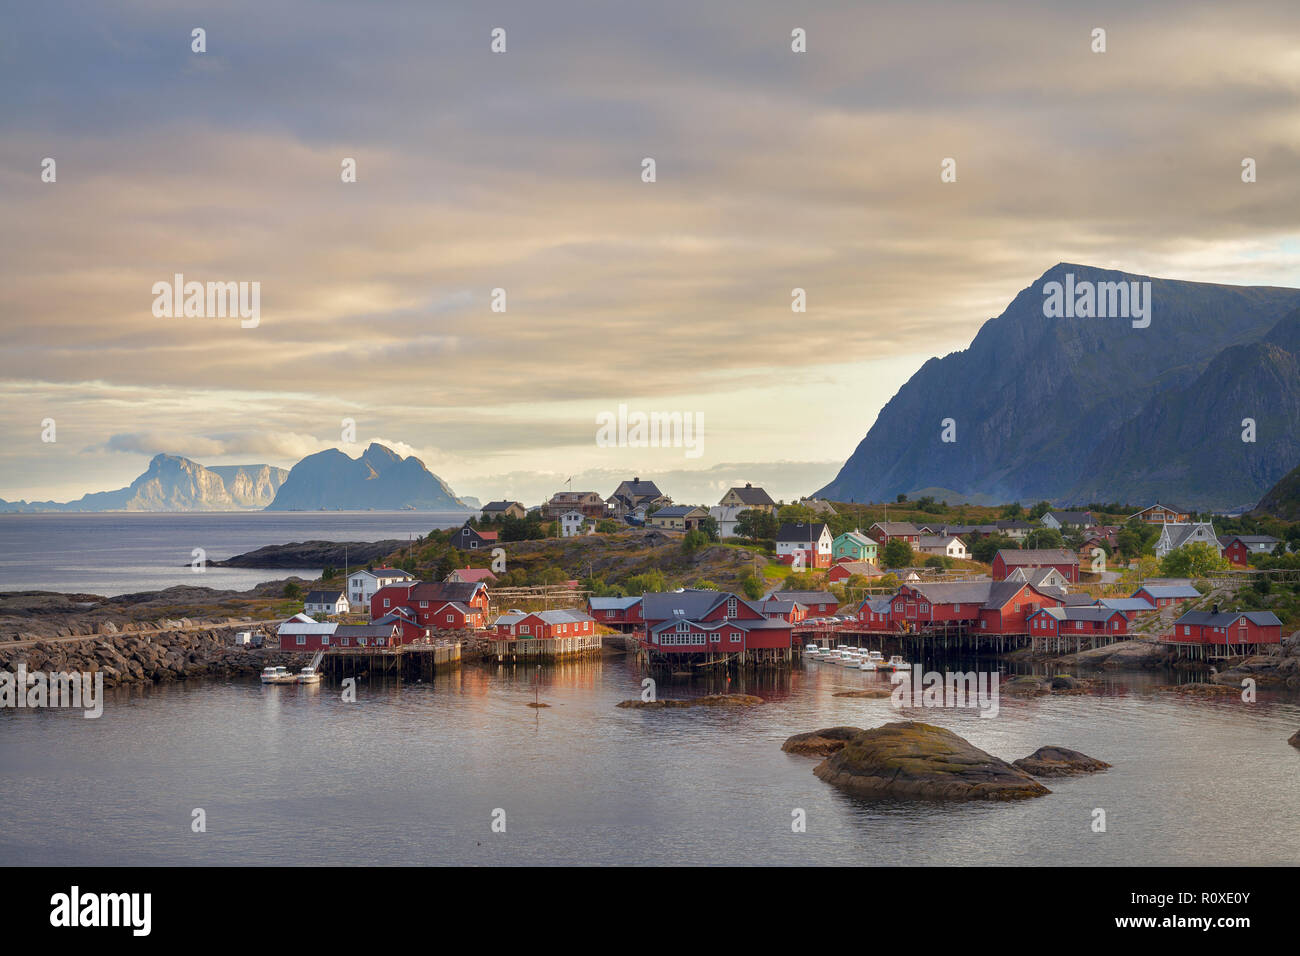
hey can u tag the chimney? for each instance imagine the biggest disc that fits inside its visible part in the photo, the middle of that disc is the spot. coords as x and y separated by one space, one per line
749 485
1215 609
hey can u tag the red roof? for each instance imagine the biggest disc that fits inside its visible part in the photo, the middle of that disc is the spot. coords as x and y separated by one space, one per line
474 575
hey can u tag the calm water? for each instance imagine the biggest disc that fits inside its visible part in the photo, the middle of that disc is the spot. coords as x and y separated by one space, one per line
412 775
122 553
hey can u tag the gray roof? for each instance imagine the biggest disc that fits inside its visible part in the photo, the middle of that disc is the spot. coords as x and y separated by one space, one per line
676 511
1079 613
1038 556
1178 533
1077 599
558 616
500 505
801 531
1127 604
373 629
803 597
323 597
1168 591
937 540
752 496
1228 618
1248 538
1071 517
661 606
897 527
612 603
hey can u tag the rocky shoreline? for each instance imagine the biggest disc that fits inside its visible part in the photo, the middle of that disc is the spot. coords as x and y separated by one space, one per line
151 658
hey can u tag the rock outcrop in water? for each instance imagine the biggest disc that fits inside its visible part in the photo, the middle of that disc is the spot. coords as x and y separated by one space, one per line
908 759
1295 739
821 743
710 700
1058 762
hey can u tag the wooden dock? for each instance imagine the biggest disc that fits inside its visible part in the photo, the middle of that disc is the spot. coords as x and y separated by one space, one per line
542 650
403 661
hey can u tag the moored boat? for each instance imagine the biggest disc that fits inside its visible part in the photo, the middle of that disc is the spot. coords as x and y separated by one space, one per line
278 675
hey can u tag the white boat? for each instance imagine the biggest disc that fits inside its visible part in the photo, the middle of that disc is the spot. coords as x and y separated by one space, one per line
309 675
898 664
872 661
277 675
812 650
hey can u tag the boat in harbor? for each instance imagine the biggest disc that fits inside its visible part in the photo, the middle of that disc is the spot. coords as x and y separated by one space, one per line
897 663
872 661
278 675
310 674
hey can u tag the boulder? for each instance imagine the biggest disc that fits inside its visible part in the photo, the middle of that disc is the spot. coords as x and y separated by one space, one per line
821 743
1058 762
909 759
1295 739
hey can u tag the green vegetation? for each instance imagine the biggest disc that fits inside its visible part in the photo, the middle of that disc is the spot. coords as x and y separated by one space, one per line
1193 560
897 554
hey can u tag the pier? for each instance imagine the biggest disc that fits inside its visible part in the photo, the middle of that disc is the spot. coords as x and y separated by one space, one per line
543 650
403 661
954 637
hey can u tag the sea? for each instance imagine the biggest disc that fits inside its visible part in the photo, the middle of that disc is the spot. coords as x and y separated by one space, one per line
461 770
126 552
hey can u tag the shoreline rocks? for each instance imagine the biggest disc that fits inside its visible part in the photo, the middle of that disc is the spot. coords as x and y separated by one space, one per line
1059 762
711 700
909 759
871 693
1294 740
821 743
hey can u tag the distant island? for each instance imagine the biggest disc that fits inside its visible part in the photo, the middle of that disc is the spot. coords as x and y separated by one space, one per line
379 480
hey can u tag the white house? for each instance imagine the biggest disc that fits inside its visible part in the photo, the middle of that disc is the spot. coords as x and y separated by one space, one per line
1175 535
573 523
326 602
806 544
726 517
362 585
948 545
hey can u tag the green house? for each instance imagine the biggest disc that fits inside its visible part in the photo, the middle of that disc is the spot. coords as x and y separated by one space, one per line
855 546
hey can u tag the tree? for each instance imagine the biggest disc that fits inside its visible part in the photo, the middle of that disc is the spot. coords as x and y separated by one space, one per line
1012 511
901 498
986 548
753 586
756 525
897 554
1197 559
694 540
1044 538
606 526
292 591
709 526
1040 509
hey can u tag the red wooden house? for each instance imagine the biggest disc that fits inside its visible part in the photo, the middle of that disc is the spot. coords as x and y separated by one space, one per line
873 614
1082 621
779 609
1164 594
1066 562
1238 548
409 630
697 621
1227 627
428 601
544 625
620 613
994 607
887 531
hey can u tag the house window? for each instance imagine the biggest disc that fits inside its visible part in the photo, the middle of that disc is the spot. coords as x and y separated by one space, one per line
424 604
715 638
361 641
450 618
344 641
731 607
735 637
324 640
523 628
386 602
1186 630
302 638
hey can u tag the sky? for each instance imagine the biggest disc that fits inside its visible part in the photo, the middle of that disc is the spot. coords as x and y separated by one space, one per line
523 171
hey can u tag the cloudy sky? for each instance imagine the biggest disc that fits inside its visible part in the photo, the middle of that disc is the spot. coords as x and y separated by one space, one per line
479 170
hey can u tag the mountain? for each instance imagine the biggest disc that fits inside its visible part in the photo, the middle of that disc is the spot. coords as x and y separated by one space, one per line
1074 410
379 480
1283 499
171 483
